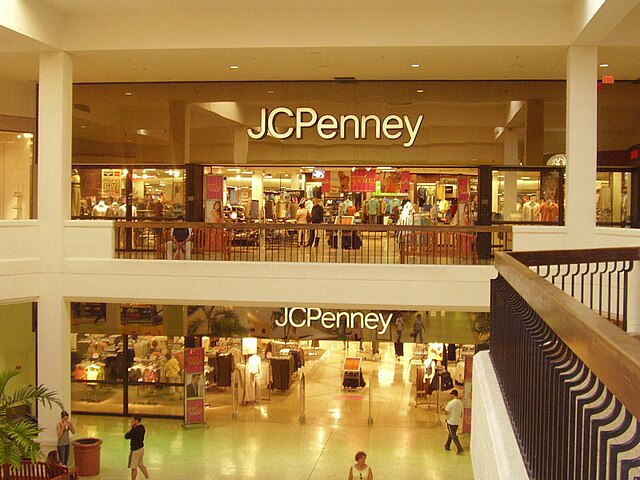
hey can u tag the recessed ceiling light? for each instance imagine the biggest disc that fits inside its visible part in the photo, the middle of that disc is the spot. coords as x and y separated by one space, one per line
420 90
604 65
270 91
128 94
415 65
234 67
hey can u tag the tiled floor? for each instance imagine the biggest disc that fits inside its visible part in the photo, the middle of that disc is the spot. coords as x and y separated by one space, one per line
267 441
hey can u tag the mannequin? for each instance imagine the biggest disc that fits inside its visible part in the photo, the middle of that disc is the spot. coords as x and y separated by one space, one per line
406 215
100 210
75 193
531 210
549 211
122 210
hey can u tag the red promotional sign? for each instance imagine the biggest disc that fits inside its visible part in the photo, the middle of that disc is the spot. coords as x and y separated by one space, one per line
194 411
214 187
405 181
463 189
326 182
194 360
194 385
467 396
363 180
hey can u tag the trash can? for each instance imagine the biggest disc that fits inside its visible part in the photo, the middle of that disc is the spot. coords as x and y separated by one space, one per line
87 456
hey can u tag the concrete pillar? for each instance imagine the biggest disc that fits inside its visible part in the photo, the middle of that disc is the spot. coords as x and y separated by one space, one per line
179 121
240 145
534 133
582 108
510 177
257 191
54 193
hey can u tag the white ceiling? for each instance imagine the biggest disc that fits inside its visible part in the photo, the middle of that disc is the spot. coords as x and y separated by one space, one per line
512 48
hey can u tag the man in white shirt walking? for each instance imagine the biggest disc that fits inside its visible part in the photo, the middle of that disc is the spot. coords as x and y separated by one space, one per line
454 410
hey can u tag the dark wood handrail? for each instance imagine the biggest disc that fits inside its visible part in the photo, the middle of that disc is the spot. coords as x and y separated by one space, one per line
589 255
610 353
324 226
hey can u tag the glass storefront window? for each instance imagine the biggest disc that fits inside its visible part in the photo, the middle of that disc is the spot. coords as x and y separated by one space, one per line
16 163
122 360
527 196
105 192
613 198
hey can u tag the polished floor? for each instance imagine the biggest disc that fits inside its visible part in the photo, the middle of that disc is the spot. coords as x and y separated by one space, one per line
403 440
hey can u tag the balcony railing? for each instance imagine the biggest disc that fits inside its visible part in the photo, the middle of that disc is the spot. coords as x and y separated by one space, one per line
568 376
322 243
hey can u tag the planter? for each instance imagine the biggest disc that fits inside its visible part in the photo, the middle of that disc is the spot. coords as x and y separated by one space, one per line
87 455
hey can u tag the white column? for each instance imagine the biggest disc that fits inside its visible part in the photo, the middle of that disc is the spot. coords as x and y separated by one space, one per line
582 108
510 176
54 205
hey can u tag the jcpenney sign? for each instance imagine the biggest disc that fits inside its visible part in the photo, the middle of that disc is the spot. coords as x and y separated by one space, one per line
331 319
391 127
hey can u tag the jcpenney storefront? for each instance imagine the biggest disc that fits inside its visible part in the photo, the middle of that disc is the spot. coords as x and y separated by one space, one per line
199 361
253 149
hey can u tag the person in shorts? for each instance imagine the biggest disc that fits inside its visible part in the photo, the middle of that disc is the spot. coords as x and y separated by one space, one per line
135 435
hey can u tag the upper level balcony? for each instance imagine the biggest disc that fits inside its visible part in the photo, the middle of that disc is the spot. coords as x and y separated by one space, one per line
559 385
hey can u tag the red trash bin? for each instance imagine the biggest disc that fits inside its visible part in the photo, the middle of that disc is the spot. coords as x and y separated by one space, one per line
87 455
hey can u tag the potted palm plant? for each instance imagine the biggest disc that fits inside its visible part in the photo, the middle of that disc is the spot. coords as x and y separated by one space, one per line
18 433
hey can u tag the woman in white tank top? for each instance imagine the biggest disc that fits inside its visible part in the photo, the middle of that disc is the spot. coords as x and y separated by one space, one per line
360 471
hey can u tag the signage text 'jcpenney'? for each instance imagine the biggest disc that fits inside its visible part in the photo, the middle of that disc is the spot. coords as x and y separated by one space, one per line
328 127
330 319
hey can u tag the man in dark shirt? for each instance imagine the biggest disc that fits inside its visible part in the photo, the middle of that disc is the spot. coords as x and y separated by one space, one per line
317 216
136 456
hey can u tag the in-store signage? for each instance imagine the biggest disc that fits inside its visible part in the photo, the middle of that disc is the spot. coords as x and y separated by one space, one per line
331 319
391 127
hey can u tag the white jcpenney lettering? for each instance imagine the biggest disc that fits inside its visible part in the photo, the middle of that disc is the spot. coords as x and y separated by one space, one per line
330 319
328 127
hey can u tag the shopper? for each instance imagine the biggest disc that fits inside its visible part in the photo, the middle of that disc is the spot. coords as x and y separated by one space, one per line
135 435
454 410
399 328
418 328
317 216
179 247
64 442
302 218
360 471
172 372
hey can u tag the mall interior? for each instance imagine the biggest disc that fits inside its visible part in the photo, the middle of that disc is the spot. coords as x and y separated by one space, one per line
120 120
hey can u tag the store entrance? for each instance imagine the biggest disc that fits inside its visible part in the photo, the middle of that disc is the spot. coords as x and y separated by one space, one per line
351 382
385 369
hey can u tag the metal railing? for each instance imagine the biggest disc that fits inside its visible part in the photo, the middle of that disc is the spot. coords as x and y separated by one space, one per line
322 243
568 376
598 278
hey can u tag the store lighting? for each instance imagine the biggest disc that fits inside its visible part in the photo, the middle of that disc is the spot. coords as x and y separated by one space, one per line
420 90
604 65
525 178
247 172
234 67
415 65
28 135
125 171
128 94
